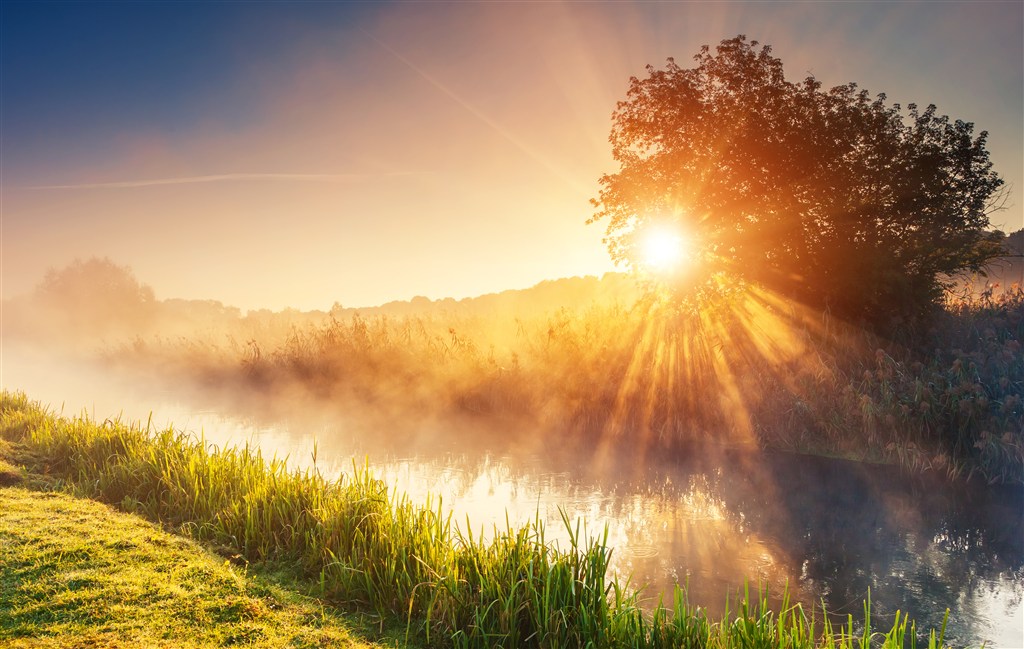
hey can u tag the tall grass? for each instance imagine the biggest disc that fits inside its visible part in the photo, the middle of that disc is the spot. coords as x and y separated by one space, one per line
362 544
949 399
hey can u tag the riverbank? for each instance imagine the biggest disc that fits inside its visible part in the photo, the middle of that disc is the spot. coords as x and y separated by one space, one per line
78 573
356 544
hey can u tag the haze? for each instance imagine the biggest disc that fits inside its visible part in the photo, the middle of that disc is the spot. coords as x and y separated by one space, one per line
276 155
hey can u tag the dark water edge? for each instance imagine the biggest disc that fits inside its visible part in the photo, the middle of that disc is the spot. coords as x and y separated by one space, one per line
919 543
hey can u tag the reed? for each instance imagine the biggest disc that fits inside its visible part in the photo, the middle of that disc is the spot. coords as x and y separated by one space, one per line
949 399
362 544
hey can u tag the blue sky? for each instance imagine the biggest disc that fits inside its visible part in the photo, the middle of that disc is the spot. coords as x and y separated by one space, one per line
308 153
80 73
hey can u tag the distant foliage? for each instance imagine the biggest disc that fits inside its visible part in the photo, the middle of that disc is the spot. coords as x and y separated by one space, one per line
86 301
831 197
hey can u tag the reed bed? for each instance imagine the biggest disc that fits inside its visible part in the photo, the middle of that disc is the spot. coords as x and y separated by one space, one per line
949 399
363 545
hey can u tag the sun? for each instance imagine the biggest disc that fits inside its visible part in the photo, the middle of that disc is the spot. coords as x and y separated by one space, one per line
665 249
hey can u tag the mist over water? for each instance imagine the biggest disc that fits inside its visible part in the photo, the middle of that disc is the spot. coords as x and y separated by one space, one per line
710 518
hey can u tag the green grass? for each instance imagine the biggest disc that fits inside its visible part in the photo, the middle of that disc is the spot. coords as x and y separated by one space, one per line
358 544
77 573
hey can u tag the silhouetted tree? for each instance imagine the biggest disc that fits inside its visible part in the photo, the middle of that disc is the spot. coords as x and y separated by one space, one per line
830 197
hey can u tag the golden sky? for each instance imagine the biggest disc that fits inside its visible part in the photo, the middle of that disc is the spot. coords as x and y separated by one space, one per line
274 155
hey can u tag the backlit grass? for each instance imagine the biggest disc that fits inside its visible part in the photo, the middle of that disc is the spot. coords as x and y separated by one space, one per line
360 544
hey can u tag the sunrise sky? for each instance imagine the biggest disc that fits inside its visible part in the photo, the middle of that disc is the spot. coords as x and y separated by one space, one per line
271 154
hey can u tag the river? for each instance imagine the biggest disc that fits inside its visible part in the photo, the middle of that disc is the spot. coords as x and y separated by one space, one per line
711 518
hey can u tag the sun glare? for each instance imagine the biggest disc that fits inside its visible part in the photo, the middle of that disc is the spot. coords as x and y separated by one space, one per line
666 249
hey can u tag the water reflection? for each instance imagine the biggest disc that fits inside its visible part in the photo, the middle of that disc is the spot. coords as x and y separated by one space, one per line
710 517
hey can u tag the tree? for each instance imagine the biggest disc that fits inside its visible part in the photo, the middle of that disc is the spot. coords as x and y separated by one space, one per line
95 297
830 197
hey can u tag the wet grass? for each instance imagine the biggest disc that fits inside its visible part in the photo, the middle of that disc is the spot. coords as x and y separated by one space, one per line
360 544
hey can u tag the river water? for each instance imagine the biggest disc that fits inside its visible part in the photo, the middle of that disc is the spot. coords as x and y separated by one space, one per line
710 518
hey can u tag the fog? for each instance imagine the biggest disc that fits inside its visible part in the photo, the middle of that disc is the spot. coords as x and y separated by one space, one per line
432 400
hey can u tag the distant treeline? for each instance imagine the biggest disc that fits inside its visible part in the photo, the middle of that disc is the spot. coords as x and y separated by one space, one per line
98 303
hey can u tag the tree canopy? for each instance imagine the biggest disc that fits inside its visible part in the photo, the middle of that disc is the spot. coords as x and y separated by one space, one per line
832 197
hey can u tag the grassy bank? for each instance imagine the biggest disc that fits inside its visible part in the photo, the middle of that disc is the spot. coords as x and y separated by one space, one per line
360 545
77 573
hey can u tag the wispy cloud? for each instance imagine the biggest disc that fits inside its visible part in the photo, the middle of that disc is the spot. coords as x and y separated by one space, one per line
213 178
545 161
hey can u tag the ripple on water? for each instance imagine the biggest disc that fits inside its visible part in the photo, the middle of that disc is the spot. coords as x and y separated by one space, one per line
640 551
